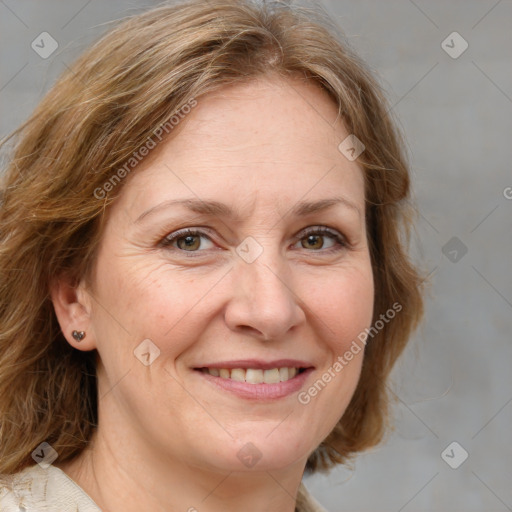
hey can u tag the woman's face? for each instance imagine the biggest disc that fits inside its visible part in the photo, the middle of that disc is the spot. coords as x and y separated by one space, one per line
255 287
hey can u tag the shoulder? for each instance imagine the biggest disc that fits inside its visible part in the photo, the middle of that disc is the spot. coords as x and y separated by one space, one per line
41 490
306 502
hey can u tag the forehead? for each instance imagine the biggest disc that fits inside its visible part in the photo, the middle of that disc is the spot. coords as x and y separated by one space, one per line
272 111
269 138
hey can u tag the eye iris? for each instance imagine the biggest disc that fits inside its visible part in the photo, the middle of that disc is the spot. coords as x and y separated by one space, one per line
192 241
189 243
313 238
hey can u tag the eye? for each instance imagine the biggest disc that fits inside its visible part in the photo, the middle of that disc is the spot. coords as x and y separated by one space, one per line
313 238
186 240
190 240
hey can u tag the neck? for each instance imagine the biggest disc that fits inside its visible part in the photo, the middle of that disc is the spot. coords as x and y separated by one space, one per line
108 473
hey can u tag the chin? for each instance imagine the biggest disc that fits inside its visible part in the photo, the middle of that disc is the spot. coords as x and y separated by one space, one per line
263 452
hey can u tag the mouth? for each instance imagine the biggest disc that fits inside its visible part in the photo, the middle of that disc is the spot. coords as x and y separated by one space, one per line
255 375
257 380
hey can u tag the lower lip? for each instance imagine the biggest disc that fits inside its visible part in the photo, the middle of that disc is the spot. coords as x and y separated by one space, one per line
259 391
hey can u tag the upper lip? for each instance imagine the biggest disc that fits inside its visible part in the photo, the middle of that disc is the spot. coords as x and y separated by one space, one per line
258 364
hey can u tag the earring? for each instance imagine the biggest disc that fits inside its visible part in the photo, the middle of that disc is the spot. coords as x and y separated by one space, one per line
78 335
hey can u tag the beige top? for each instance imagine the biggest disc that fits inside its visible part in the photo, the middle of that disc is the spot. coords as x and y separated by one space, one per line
51 490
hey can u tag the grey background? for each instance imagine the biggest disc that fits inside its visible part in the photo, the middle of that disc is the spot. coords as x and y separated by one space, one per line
454 382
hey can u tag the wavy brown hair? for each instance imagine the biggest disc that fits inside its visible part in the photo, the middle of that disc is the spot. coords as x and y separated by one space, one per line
89 124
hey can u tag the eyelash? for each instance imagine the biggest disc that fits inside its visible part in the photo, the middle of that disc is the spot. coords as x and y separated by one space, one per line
341 242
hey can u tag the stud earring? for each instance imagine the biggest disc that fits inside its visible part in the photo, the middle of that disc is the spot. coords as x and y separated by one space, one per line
78 335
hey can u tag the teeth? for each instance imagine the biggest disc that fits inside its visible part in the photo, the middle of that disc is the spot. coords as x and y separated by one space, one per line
271 376
254 376
238 374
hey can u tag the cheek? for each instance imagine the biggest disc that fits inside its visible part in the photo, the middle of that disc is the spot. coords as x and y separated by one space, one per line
170 306
344 311
344 304
152 300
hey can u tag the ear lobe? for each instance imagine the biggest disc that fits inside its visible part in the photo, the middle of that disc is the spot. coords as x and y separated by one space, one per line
72 307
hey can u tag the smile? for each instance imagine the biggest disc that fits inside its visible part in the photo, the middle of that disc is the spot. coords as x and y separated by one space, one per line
255 375
255 379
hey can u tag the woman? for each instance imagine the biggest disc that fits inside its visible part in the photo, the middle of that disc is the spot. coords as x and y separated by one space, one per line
204 284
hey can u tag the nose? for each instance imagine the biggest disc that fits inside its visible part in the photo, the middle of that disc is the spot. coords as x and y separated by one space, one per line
264 302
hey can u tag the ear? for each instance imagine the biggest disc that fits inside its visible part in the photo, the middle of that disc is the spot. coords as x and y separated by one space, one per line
72 305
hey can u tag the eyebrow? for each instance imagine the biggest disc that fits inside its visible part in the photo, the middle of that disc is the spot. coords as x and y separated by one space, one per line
215 208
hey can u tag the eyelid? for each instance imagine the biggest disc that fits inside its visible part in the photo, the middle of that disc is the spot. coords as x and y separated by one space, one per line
324 230
202 231
181 233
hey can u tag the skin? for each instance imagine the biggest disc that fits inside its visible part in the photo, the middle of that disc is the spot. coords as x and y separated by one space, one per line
167 438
